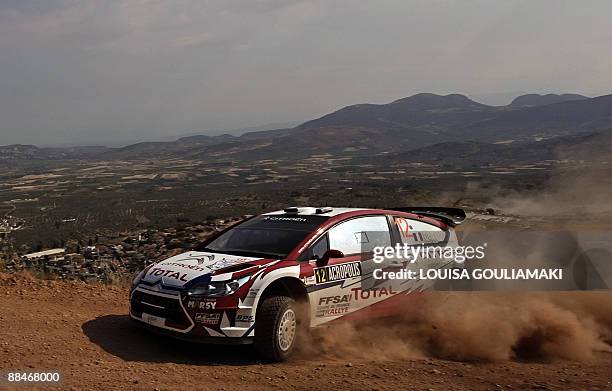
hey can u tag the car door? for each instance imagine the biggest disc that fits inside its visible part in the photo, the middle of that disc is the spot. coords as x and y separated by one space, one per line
338 285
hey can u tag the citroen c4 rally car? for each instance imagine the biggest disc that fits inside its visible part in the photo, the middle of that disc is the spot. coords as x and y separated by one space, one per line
273 276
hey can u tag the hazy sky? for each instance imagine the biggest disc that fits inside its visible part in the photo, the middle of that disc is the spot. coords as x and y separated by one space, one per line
111 72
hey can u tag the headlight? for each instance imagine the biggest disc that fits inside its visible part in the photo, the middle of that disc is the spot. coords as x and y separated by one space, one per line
218 288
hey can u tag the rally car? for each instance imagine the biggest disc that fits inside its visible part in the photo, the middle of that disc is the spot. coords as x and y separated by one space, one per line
273 276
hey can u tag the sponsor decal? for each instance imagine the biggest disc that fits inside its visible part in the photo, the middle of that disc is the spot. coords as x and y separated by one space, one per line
283 218
365 294
403 226
245 318
411 236
340 304
185 266
168 273
333 306
252 293
208 318
337 272
311 280
153 320
335 299
205 258
405 230
202 304
332 311
223 263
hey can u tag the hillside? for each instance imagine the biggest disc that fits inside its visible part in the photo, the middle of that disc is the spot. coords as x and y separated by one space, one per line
405 124
422 111
542 100
18 152
589 147
565 118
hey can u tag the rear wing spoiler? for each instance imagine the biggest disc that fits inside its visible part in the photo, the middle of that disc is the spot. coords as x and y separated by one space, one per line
449 216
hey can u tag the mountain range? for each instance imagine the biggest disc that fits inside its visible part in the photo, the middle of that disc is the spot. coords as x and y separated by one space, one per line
541 100
451 126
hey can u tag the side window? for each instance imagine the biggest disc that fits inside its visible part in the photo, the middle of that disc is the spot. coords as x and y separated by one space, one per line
417 232
319 248
316 250
360 235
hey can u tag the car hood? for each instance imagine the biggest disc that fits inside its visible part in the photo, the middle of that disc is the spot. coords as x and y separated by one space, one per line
179 270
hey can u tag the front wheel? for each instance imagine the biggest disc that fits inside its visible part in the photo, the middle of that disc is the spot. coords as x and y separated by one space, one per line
276 327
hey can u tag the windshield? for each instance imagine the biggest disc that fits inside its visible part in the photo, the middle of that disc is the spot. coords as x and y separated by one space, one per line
270 236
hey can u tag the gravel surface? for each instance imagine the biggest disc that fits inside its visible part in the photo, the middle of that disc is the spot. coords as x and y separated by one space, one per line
84 332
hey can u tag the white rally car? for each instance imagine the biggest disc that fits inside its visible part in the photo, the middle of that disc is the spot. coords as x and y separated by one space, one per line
269 277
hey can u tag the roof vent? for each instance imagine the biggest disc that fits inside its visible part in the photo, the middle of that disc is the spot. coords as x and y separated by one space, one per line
306 210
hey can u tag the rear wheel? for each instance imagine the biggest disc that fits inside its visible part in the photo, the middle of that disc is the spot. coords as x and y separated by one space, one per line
276 327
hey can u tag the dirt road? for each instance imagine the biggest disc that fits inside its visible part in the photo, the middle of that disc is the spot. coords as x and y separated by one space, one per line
83 332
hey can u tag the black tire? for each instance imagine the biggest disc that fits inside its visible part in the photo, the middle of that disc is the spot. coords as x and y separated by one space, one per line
267 324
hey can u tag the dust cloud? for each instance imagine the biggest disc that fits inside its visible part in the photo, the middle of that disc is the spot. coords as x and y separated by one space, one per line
479 326
501 326
580 183
579 193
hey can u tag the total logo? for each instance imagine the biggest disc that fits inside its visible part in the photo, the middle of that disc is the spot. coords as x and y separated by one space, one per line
358 294
168 273
340 304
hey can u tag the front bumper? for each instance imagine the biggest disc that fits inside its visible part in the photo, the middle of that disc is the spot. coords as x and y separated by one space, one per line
159 309
192 338
193 319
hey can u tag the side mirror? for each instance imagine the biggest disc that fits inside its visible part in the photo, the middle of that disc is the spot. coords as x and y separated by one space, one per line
329 254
